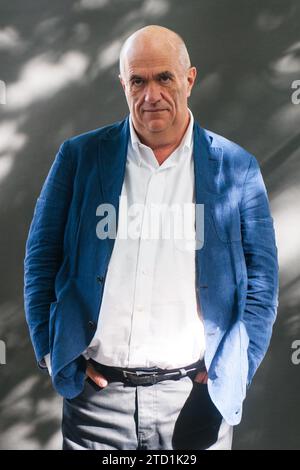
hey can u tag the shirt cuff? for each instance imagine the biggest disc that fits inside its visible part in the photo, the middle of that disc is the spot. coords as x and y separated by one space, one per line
48 363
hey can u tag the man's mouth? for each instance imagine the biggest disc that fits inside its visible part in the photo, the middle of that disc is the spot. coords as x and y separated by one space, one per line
154 110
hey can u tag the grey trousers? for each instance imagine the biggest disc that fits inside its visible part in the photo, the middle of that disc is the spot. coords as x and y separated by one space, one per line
172 414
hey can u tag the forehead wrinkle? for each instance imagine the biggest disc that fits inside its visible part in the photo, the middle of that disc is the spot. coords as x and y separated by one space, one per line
156 70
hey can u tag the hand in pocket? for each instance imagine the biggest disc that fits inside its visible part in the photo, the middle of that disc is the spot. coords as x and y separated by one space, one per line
95 376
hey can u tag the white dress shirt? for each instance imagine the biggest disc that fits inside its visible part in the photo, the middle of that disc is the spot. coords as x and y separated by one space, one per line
149 314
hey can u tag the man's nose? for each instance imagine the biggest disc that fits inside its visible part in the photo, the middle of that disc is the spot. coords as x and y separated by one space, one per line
152 94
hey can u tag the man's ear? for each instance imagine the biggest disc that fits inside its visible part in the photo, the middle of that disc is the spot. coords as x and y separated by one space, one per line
122 82
191 77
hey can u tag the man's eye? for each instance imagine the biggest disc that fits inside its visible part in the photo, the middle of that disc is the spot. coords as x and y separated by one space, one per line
165 79
137 81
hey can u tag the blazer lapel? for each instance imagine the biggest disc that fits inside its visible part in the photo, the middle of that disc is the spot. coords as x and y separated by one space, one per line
208 164
112 155
208 186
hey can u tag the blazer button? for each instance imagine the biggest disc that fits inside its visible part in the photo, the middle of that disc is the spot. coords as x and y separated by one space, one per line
213 376
100 279
91 325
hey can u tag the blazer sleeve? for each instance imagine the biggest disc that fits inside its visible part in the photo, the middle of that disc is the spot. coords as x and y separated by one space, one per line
261 259
44 249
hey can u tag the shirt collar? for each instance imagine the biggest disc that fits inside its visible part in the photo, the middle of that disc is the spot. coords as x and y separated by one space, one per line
186 142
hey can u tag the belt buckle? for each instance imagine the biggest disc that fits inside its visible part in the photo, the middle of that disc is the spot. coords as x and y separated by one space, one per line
130 376
126 374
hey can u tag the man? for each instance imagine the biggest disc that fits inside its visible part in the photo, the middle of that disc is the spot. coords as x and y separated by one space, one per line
184 322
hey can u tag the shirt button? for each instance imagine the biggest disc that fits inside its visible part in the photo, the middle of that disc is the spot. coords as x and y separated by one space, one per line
100 279
91 325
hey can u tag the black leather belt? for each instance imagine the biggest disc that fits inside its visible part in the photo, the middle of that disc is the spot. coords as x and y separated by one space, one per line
146 376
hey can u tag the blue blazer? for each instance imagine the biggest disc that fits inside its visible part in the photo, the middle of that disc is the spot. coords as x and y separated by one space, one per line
237 269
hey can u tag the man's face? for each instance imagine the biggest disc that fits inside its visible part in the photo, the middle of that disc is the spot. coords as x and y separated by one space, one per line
157 87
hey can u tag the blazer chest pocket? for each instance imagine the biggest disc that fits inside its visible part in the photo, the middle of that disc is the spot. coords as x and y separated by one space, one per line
226 219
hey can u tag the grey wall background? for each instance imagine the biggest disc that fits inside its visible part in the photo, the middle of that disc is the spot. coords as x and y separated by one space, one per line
59 62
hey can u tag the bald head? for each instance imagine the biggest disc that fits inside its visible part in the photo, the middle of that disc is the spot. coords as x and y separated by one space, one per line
154 37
